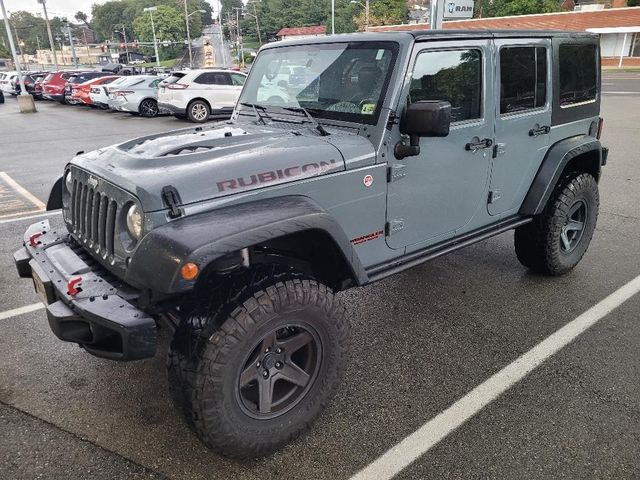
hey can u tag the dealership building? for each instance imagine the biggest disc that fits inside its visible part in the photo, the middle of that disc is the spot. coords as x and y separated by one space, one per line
619 29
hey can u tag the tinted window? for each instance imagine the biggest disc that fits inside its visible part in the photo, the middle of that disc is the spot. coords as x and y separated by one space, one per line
523 78
212 78
452 76
578 74
237 79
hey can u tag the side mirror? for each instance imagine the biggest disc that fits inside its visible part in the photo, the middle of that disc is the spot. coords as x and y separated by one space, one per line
426 118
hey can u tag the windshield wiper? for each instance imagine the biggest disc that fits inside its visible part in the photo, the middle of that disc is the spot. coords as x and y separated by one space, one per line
318 127
255 110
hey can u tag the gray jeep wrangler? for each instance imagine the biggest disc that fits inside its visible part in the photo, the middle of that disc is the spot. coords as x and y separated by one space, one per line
348 158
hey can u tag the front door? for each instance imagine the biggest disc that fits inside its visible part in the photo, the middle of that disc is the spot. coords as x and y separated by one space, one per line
523 120
445 186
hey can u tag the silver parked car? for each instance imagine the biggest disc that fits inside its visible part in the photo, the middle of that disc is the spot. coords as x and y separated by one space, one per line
139 95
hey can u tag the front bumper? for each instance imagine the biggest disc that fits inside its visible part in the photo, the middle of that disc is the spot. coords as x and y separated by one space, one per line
100 316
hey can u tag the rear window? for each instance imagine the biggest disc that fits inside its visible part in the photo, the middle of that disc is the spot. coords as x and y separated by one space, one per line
48 77
173 78
578 74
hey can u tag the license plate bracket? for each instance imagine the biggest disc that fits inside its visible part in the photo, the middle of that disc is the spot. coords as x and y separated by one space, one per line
42 285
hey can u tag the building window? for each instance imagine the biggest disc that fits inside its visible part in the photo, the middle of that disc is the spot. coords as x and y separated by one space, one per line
523 78
578 74
635 45
453 76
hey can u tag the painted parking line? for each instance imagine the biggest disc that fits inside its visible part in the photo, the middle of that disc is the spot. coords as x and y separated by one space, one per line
20 311
29 217
15 199
428 435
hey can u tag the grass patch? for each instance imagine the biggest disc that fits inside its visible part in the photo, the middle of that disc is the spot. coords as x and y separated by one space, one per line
163 63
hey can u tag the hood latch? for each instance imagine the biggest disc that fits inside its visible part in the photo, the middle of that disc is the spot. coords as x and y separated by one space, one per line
171 198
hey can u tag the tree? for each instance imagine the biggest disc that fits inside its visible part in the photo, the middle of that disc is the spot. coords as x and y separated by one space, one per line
502 8
82 17
383 12
169 24
633 3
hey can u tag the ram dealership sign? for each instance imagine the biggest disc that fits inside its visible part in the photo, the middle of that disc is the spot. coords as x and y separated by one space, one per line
458 9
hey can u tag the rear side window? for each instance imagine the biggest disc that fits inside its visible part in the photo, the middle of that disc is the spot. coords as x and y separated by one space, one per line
453 76
213 78
578 74
523 78
237 79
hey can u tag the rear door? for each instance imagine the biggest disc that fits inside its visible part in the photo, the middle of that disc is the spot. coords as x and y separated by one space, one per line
523 119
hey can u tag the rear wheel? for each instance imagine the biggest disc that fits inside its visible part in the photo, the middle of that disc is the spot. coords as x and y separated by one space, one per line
198 111
556 240
148 108
252 372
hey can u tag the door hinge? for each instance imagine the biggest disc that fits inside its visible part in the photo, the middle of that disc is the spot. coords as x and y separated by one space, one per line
499 149
171 198
394 226
494 196
397 172
393 120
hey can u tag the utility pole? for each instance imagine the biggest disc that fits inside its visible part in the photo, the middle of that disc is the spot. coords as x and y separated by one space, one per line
186 19
255 13
73 49
153 29
53 45
126 46
239 37
333 17
25 100
437 14
84 35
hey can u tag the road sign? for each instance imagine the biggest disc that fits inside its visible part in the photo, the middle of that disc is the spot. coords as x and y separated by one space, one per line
458 9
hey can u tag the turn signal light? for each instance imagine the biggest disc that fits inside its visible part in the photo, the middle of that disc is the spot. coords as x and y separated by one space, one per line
189 271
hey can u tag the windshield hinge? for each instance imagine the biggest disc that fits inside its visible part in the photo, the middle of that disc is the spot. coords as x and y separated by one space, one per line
393 120
171 198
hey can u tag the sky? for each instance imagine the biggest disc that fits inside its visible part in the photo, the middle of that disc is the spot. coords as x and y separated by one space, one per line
59 8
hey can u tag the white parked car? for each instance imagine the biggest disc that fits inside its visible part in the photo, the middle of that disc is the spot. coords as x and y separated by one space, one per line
100 93
6 81
201 94
137 96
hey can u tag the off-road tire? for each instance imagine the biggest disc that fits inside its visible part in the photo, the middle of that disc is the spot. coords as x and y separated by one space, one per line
214 338
198 111
539 244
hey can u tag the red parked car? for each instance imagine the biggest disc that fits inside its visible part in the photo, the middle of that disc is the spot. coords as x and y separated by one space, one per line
80 92
53 85
77 78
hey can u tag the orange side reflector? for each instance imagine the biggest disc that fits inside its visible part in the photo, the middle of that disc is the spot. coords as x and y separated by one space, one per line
189 271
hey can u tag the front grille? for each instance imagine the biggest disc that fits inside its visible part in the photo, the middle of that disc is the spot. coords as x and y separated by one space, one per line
93 218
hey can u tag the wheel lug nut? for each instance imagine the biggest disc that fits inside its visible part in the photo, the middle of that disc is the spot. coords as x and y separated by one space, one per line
267 350
278 365
278 350
265 374
258 365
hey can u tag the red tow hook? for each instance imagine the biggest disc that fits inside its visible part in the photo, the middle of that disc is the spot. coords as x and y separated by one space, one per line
33 239
71 286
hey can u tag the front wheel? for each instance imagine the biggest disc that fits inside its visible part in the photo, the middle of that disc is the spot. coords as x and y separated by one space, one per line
198 111
252 373
556 240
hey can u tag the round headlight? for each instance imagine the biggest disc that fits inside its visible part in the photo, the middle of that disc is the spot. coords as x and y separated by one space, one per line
68 182
134 221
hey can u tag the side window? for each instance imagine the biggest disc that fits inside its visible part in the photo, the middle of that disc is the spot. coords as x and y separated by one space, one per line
237 79
155 83
523 78
454 76
204 79
578 74
221 79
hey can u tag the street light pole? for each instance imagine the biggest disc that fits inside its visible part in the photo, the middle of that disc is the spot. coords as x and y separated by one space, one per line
53 45
153 29
366 12
73 49
25 100
186 19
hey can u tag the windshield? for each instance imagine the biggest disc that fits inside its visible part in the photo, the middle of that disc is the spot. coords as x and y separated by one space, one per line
344 81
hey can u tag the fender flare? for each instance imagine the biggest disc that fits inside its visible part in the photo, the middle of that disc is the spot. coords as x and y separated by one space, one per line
205 237
554 163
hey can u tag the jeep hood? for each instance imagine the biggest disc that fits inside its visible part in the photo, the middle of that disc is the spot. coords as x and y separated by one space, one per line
205 163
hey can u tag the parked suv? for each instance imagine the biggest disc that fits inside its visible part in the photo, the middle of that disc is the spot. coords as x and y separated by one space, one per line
53 85
201 94
401 147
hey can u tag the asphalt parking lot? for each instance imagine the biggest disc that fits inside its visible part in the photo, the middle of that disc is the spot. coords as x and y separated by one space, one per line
422 340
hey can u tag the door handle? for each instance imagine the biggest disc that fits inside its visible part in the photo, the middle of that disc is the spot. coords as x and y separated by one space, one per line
479 145
544 130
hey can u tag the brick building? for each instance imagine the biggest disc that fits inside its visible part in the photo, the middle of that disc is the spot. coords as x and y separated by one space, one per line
619 29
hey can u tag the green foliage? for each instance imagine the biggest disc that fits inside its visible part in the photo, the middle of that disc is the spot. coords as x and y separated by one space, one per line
502 8
384 12
119 12
30 30
633 3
